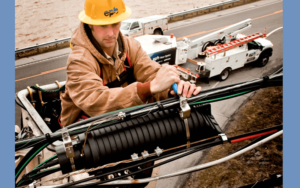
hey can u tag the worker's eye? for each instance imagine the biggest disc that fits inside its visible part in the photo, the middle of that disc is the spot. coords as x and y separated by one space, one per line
115 24
103 26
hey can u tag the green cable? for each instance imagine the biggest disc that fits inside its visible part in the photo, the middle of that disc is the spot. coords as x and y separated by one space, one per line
244 92
45 161
21 169
20 182
44 171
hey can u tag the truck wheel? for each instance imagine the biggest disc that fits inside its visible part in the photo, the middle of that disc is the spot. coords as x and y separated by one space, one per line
224 74
263 60
158 32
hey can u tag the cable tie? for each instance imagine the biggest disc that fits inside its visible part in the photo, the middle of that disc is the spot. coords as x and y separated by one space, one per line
265 81
48 137
160 106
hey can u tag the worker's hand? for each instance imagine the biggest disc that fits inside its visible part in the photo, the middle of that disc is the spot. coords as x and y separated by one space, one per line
164 78
186 89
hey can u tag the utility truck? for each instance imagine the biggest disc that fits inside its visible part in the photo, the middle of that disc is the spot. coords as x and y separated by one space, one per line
215 54
155 25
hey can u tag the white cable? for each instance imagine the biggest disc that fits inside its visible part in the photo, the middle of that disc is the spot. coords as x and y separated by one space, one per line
273 31
188 170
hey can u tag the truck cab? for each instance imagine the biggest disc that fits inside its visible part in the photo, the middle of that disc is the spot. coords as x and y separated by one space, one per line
152 25
131 27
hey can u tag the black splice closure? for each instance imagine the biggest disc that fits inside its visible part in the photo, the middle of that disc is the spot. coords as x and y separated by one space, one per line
164 129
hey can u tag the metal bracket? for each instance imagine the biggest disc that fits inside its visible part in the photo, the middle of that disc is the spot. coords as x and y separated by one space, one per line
121 115
32 185
145 154
134 157
185 113
158 151
68 145
223 137
185 108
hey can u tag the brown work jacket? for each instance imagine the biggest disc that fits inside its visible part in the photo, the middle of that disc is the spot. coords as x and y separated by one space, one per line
84 87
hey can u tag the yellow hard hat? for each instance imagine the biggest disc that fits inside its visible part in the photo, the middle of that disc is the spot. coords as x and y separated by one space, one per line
104 12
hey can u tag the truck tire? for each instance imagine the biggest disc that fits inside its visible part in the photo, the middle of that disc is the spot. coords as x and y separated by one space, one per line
263 59
224 74
158 32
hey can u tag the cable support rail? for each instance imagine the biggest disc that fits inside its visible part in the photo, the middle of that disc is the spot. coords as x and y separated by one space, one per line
235 43
201 8
43 44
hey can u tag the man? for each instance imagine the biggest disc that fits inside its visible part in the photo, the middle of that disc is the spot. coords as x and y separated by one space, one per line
107 71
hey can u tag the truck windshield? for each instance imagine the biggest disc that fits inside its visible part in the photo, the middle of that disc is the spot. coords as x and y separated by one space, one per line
125 26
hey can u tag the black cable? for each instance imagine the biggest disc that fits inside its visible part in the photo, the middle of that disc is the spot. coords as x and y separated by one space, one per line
20 105
28 157
29 179
278 127
48 164
91 185
191 150
275 81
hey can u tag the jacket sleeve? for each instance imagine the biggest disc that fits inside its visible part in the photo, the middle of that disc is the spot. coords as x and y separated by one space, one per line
86 89
145 69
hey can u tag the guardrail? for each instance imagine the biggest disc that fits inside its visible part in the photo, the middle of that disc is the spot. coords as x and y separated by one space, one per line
202 10
63 43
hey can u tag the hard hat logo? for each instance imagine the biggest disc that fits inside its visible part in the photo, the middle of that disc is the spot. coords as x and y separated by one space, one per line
111 12
104 12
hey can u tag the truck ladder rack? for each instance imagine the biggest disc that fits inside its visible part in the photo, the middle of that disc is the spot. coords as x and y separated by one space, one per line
235 43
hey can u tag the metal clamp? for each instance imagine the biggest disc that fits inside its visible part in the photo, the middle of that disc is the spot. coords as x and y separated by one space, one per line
68 145
223 137
31 96
40 95
185 113
59 86
134 157
158 151
121 115
145 154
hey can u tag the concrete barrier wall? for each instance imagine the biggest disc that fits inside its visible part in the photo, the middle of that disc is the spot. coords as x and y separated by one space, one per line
39 49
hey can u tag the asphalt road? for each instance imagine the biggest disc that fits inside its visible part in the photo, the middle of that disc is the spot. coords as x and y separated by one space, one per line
269 16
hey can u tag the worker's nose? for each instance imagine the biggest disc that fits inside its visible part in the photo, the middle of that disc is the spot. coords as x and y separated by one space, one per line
110 31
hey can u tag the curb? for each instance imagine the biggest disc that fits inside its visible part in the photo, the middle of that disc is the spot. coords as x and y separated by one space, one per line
64 43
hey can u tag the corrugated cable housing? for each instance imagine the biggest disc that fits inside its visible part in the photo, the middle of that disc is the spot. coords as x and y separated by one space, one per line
119 141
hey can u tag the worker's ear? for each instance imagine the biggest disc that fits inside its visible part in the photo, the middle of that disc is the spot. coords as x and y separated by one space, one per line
91 27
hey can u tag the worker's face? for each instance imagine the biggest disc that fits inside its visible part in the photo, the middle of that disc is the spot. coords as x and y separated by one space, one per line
106 35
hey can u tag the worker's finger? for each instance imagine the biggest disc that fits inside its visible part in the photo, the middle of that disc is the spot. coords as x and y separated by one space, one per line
172 92
173 69
198 89
191 90
186 87
176 79
180 86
